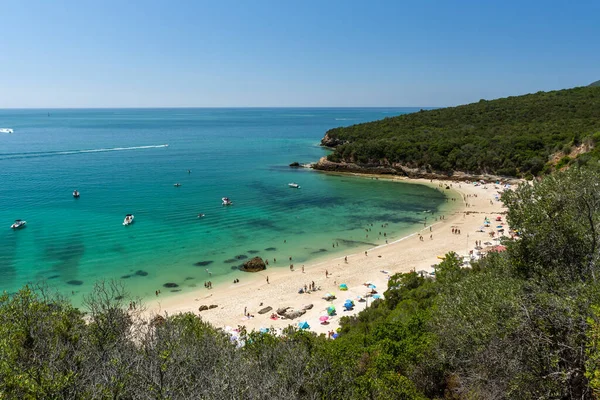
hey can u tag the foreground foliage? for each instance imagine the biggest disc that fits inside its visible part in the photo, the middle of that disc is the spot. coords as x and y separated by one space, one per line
523 324
513 136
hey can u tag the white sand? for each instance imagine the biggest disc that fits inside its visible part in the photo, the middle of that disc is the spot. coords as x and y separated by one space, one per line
409 253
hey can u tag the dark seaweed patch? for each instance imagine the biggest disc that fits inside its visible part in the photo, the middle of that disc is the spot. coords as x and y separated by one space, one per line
126 277
203 263
229 261
175 290
170 285
141 272
54 276
241 257
189 278
319 251
75 282
270 249
253 251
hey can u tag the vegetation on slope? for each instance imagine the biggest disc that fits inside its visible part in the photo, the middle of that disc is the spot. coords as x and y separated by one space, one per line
514 136
597 83
522 324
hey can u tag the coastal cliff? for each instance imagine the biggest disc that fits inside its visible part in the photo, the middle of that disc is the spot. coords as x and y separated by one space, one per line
400 170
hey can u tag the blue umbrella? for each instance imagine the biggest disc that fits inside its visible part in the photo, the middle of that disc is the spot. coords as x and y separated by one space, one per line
263 330
303 325
335 336
376 296
371 286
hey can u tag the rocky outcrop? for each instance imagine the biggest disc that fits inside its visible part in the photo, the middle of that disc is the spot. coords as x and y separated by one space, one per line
289 313
265 310
202 308
329 141
254 265
295 164
386 168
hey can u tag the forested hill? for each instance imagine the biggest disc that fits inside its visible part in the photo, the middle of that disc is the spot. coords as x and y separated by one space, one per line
514 136
597 83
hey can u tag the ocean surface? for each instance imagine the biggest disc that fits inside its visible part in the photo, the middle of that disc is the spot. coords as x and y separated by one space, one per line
119 161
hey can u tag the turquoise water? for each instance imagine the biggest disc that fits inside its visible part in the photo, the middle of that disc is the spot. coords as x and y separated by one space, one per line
118 162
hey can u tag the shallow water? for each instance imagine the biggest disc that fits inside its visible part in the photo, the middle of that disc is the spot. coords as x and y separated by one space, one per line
118 161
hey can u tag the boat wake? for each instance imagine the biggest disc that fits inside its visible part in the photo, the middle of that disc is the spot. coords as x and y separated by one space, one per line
70 152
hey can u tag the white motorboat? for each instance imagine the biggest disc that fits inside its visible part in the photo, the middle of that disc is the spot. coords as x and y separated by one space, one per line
6 130
76 193
18 224
128 220
177 184
294 185
226 201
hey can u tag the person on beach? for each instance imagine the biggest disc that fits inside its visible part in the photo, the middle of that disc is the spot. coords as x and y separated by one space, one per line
365 252
267 278
245 309
326 273
303 269
346 259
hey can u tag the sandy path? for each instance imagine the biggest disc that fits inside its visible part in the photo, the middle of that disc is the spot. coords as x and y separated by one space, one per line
409 253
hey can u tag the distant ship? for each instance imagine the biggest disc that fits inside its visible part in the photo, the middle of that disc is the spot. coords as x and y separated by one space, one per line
6 130
294 185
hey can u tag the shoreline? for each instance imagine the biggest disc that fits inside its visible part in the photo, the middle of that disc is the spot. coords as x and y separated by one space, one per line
375 265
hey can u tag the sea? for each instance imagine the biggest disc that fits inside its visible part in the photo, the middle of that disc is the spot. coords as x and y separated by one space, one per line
127 161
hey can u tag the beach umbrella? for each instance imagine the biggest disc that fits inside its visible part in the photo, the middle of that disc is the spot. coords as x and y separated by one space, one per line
331 310
343 286
371 286
335 336
376 296
303 325
323 318
263 330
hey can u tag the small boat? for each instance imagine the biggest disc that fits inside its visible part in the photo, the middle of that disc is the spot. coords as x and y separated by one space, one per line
226 201
18 224
200 215
76 194
294 185
177 184
6 130
128 220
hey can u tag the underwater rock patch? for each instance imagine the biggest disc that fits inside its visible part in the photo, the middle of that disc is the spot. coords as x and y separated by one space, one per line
229 261
141 272
126 276
203 263
170 285
75 282
270 249
253 251
241 257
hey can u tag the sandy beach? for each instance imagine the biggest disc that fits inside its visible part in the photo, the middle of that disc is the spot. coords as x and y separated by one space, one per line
412 252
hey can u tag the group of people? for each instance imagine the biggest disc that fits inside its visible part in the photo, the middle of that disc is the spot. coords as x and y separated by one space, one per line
311 287
456 231
236 280
208 285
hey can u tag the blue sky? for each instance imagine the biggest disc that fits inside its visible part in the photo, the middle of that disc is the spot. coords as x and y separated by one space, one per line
291 53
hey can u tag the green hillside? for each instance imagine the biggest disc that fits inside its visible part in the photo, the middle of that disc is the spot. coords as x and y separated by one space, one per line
515 136
597 83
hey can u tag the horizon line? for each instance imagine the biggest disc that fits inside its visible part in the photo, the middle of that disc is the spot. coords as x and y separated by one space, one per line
207 107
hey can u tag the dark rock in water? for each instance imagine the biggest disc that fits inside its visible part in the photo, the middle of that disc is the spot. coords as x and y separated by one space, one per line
175 290
75 282
253 251
236 266
126 277
202 308
254 265
295 164
203 263
189 278
241 257
231 260
54 277
265 310
270 249
141 272
212 306
119 298
170 285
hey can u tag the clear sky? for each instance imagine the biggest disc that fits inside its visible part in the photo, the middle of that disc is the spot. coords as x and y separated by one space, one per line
291 53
